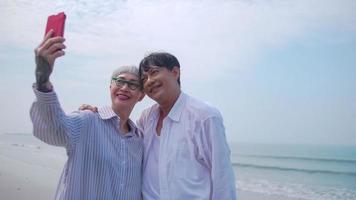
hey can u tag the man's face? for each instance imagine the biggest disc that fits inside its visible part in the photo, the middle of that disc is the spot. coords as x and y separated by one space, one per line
125 91
159 82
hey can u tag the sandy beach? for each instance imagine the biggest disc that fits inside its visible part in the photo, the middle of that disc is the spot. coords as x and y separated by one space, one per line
31 172
20 180
30 169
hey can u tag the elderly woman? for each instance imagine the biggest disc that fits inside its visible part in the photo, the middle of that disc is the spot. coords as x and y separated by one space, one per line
105 148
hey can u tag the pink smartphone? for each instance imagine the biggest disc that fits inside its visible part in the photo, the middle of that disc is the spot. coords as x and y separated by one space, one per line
56 22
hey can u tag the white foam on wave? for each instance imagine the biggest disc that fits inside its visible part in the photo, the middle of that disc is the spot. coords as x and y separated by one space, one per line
293 190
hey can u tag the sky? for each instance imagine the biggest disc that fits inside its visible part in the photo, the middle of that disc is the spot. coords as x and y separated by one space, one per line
279 71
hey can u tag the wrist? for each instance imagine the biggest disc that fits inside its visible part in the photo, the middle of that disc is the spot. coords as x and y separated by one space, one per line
44 87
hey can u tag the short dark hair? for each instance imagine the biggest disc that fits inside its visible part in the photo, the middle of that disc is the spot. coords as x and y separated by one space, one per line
159 59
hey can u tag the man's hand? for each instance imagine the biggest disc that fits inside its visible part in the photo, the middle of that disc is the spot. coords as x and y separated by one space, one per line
46 53
88 107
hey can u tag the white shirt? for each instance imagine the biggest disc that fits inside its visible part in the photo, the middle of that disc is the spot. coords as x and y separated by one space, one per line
151 175
194 158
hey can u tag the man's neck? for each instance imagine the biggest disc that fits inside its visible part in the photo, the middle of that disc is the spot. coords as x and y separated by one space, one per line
165 107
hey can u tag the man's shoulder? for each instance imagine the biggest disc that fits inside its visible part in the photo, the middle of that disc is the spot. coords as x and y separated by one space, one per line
201 108
146 114
149 110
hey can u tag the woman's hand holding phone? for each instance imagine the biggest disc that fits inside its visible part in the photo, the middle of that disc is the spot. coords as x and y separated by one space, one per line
46 53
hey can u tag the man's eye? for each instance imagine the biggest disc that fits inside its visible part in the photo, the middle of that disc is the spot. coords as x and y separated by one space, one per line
153 72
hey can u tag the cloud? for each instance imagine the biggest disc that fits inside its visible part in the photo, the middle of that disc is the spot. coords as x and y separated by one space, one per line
213 35
214 40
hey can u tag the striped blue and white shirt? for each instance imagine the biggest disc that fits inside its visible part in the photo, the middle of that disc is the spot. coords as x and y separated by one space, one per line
102 162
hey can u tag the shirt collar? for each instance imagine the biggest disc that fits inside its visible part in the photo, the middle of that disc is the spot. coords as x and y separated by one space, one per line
175 112
177 108
107 113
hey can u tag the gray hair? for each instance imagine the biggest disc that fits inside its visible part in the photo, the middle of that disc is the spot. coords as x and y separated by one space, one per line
126 69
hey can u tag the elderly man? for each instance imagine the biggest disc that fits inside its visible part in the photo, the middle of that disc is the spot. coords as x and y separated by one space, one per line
104 149
186 154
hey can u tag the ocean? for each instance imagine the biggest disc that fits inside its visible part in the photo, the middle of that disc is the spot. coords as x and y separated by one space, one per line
310 172
306 172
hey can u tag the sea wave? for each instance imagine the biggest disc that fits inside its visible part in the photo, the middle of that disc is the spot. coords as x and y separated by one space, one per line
293 169
299 191
351 161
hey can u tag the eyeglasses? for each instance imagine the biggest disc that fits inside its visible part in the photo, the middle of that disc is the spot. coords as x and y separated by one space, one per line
121 83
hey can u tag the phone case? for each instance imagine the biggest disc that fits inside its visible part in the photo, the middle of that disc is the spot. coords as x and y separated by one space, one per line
56 22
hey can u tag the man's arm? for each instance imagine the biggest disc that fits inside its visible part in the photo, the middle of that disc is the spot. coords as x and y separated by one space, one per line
216 154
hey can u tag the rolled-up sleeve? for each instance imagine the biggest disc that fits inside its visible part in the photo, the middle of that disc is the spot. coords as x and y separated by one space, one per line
51 124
